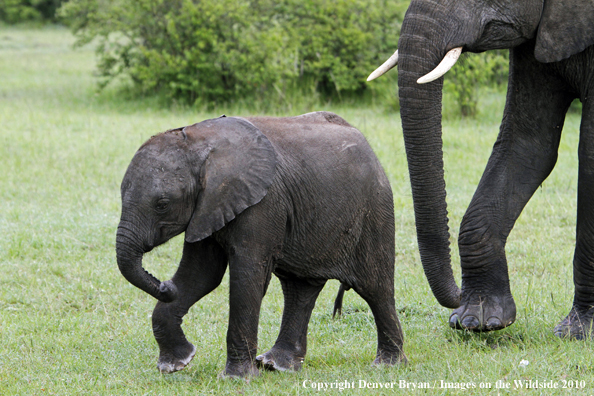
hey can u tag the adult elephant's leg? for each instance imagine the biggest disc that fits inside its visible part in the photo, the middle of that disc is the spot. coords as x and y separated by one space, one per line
578 324
200 271
291 345
522 158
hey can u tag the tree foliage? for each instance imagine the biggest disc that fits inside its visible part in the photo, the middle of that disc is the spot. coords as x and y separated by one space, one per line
220 50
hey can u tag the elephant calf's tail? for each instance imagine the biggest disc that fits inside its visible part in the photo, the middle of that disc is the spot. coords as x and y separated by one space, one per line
338 301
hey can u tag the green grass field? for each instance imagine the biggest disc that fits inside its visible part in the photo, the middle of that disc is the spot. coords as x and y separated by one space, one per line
70 323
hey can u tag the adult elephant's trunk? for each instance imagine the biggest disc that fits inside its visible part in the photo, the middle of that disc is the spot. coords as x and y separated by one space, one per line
420 106
129 255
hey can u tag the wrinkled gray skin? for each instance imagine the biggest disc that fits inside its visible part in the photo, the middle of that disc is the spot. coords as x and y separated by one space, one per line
303 197
551 64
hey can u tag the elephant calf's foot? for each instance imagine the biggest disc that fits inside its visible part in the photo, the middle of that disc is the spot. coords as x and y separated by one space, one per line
278 359
578 324
488 313
239 370
170 363
390 359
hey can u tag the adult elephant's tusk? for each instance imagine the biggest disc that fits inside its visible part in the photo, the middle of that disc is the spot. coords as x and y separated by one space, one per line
385 67
446 64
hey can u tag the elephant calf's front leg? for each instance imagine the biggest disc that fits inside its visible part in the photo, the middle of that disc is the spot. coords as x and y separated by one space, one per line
248 280
175 350
201 270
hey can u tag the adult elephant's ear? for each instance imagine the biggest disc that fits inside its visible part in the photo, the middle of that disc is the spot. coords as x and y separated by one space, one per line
566 28
234 164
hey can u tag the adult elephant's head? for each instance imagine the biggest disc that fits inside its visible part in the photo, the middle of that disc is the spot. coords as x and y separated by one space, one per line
434 33
194 179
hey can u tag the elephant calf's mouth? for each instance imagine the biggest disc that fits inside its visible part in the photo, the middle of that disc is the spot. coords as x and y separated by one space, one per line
166 231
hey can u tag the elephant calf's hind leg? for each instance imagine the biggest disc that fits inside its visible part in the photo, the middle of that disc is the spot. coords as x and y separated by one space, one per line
291 345
390 339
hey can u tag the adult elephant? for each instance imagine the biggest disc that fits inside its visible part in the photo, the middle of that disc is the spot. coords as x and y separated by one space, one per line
551 64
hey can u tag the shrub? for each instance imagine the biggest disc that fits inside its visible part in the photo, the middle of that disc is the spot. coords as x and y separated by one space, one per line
220 50
14 11
473 71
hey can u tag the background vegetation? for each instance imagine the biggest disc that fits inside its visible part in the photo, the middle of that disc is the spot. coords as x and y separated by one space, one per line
262 54
70 323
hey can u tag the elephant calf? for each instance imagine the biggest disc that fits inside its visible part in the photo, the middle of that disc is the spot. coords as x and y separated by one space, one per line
302 197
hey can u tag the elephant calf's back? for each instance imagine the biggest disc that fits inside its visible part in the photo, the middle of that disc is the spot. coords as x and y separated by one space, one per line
325 146
338 198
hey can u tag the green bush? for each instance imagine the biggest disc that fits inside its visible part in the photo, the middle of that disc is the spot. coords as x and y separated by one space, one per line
261 53
15 11
215 51
473 71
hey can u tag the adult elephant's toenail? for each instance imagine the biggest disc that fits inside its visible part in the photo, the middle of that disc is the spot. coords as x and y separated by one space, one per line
470 322
494 323
454 321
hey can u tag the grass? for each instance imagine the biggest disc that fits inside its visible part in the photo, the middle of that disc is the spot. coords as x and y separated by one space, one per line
70 323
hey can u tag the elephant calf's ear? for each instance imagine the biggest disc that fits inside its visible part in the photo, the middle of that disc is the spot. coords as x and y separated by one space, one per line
237 173
566 28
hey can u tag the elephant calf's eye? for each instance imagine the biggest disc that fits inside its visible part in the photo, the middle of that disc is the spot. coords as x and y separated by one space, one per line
162 205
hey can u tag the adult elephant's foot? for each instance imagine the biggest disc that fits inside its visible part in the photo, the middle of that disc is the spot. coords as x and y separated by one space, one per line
278 359
240 370
485 313
170 362
578 324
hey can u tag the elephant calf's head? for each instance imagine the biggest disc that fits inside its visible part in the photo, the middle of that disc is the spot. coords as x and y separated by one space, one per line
194 179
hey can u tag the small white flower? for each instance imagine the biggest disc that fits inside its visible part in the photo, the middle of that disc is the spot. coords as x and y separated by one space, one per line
524 363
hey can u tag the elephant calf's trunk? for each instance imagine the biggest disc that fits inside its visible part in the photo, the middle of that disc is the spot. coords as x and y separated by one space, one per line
130 264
